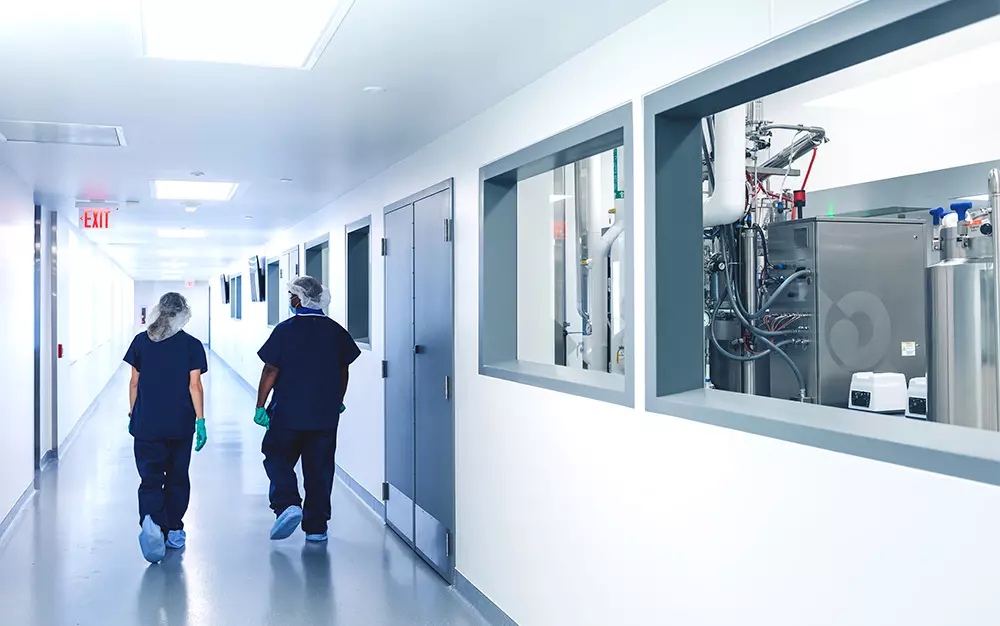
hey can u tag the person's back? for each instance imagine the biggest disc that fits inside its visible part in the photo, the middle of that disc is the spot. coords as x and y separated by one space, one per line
163 407
310 351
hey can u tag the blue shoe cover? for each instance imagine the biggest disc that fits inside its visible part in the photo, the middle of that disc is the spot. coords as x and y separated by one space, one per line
286 523
176 539
317 538
151 541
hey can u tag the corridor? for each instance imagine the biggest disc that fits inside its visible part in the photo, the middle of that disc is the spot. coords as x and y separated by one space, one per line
72 558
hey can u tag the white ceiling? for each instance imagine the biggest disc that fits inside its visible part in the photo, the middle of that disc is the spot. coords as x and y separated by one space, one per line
441 62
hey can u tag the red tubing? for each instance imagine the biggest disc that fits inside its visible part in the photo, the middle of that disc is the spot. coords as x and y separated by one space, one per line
805 180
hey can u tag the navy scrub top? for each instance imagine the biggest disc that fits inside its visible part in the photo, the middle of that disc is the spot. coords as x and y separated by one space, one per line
163 407
309 351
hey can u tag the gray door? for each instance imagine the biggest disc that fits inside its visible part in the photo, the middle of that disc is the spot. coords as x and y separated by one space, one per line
399 435
433 336
420 430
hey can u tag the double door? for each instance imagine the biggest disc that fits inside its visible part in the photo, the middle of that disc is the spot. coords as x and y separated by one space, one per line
419 421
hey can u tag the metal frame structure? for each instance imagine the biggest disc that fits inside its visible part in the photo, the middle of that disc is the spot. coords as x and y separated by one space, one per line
674 270
498 259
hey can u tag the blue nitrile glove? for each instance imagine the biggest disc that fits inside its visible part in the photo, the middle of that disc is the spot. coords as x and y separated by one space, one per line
342 408
261 418
200 436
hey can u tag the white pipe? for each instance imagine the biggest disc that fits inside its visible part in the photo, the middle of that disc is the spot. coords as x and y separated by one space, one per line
596 344
727 204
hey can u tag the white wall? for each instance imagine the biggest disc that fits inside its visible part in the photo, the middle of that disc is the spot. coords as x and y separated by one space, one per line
148 293
95 309
572 511
17 237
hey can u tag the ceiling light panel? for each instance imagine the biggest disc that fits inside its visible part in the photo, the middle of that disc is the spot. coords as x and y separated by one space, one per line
54 132
291 33
193 190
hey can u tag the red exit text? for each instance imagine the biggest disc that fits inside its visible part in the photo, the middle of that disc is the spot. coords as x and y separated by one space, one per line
94 218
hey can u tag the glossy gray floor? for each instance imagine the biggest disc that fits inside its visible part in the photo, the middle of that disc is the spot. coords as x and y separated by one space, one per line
72 558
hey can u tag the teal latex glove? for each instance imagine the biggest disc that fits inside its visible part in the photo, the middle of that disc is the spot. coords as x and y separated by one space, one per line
200 435
261 418
342 408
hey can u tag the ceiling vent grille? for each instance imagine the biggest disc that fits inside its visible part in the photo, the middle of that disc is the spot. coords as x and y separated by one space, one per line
58 133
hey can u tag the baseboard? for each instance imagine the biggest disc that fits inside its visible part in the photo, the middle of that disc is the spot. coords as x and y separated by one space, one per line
493 614
18 508
74 432
371 501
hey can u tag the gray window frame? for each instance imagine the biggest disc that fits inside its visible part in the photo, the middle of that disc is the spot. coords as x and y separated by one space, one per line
674 272
498 258
365 222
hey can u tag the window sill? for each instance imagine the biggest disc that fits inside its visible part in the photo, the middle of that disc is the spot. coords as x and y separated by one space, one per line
940 448
601 386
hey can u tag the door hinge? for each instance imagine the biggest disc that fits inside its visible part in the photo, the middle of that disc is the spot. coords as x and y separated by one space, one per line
385 492
385 369
447 544
447 387
447 229
385 246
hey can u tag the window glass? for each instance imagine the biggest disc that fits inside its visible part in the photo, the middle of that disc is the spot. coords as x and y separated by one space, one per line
570 254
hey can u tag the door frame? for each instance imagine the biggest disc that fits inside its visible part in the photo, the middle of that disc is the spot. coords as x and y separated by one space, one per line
447 185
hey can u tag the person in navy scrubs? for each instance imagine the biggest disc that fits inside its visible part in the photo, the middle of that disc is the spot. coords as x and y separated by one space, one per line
305 362
167 401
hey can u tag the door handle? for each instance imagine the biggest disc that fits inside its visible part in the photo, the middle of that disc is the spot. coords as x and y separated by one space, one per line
418 349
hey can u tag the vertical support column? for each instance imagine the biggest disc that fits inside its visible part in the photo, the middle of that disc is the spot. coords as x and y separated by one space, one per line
37 302
53 226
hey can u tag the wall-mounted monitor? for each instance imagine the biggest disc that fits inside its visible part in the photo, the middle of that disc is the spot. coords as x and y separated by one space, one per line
257 279
224 284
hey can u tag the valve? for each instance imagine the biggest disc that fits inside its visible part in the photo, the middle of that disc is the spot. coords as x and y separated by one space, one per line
938 215
962 208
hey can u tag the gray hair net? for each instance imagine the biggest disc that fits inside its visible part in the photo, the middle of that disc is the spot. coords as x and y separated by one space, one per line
312 294
168 317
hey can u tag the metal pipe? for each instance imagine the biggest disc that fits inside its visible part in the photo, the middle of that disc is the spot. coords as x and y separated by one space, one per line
816 130
994 186
748 280
801 147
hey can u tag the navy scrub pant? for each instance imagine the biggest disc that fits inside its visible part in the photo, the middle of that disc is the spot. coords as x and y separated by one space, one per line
165 488
282 450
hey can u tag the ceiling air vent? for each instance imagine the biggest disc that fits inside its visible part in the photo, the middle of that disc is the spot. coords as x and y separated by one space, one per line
53 132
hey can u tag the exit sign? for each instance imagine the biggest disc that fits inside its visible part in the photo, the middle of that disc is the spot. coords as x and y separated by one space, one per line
94 218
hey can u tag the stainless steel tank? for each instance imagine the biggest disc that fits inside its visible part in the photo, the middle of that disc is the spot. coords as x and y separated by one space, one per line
961 319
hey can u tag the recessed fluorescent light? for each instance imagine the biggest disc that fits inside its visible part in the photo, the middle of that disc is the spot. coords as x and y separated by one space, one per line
958 73
980 198
373 89
193 190
269 34
180 233
192 208
558 197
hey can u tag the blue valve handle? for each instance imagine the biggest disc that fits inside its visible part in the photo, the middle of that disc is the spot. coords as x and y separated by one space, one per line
961 208
938 214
